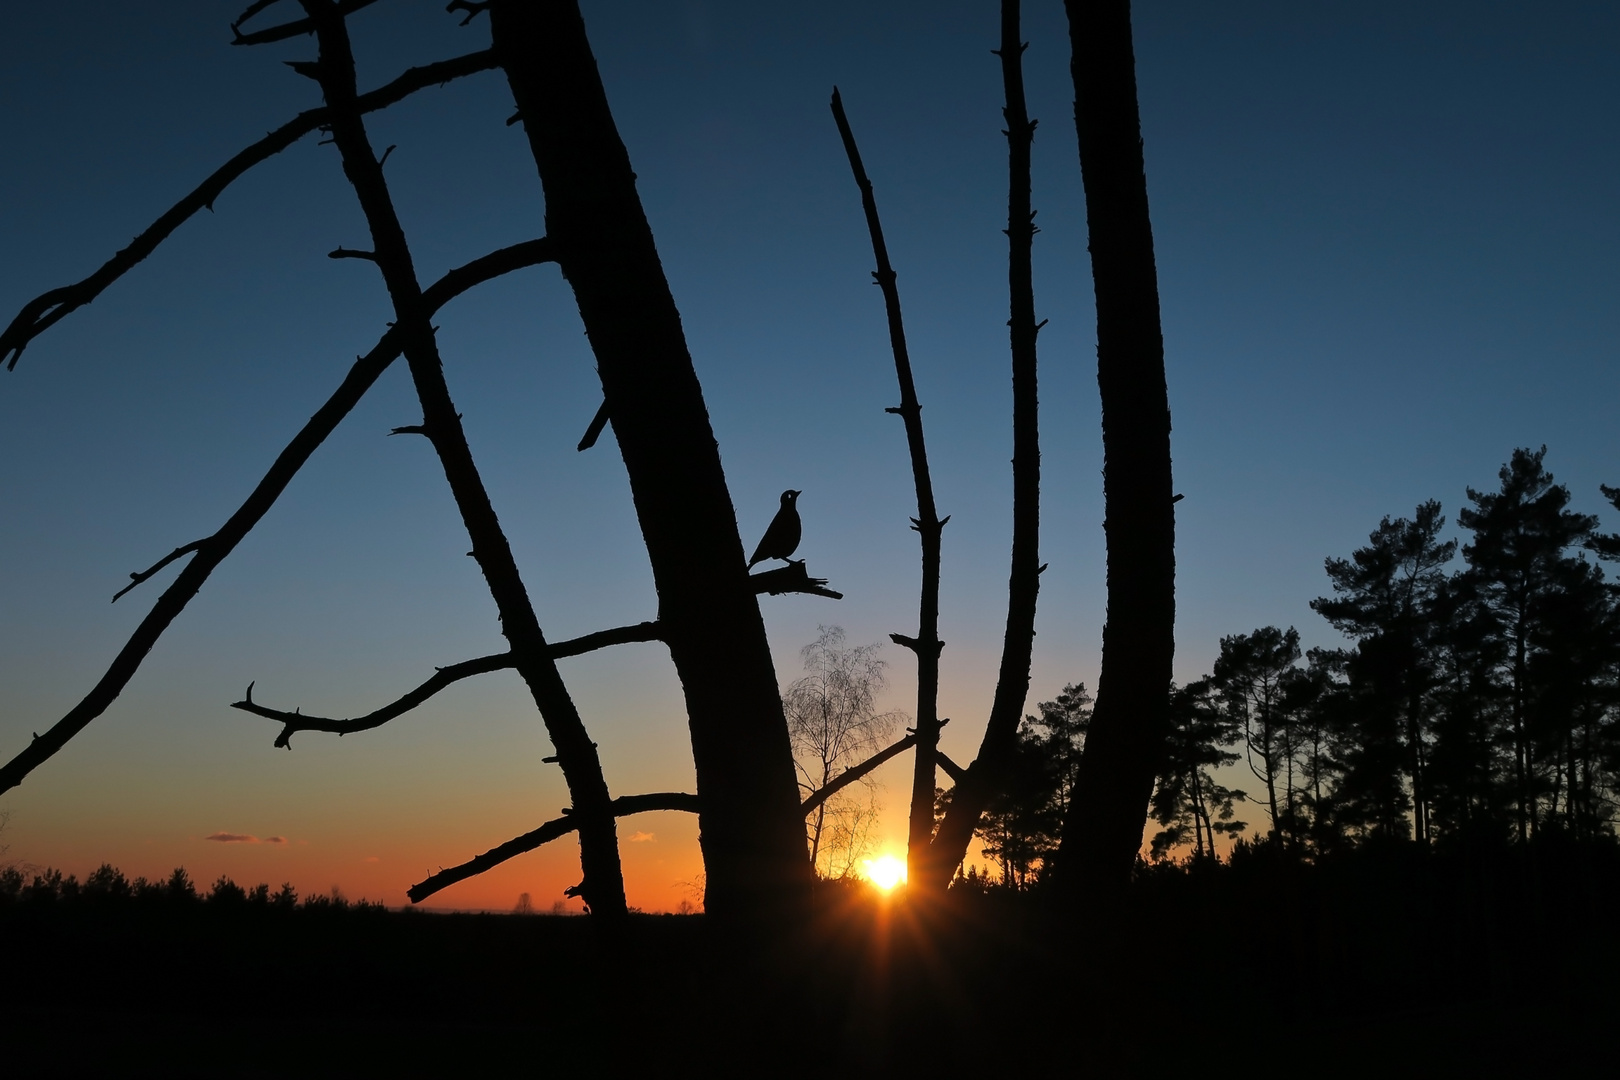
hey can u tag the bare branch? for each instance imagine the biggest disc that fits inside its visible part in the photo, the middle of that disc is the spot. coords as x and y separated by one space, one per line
286 30
952 769
45 310
211 552
349 253
623 806
298 721
854 773
927 522
594 430
792 578
472 9
179 552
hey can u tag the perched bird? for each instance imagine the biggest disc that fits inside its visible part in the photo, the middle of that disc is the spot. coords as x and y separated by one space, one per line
781 537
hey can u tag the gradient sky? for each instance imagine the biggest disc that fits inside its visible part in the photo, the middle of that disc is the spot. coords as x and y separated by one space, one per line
1386 240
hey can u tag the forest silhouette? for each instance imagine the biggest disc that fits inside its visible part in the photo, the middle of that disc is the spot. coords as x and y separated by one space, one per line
1378 856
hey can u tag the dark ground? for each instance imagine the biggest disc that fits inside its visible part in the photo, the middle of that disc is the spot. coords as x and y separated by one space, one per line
1378 964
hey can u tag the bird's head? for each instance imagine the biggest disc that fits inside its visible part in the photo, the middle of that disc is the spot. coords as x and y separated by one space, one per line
789 496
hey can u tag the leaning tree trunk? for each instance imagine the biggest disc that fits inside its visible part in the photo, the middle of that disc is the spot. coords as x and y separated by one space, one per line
752 829
1103 832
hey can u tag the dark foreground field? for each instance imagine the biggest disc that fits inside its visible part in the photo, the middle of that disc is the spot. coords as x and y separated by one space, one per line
1384 964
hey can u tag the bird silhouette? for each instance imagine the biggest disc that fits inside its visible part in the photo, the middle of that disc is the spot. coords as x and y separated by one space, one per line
781 537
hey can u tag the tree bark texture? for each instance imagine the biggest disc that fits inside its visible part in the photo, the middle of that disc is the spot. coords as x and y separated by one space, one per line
752 831
984 777
603 885
1103 832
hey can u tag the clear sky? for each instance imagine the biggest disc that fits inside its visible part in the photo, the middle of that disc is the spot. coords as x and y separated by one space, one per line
1386 238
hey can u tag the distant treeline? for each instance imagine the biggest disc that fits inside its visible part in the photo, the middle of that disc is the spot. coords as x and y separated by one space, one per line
108 887
1478 706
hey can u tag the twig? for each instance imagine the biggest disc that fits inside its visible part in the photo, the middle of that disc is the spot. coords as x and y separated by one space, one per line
45 310
928 525
441 678
594 430
792 578
286 30
977 785
179 552
210 553
603 886
554 829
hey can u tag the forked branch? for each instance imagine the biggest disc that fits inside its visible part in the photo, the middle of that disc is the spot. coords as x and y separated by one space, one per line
45 310
446 676
212 551
554 829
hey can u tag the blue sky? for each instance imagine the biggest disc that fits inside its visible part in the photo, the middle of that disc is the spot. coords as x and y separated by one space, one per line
1385 238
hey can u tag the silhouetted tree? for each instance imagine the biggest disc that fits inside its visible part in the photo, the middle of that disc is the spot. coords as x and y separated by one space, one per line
1251 680
1520 568
833 721
1023 824
1188 804
751 825
1104 829
1385 598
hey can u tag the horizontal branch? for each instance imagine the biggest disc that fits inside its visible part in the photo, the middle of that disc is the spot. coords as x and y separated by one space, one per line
45 310
212 551
623 806
443 677
850 775
792 578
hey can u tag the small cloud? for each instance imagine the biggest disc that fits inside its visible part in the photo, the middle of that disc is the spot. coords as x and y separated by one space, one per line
371 858
275 839
232 838
640 838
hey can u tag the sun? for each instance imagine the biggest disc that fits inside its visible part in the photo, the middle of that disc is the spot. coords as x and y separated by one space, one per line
885 872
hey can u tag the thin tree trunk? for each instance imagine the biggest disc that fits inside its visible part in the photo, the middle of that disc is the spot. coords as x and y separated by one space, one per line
603 886
1103 832
752 831
984 776
926 645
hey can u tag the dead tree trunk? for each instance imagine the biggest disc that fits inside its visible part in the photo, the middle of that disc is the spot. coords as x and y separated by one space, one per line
1103 831
752 829
984 776
603 884
928 525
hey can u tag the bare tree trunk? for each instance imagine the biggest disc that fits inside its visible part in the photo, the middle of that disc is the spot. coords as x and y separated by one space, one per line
1103 832
603 884
752 831
928 525
984 777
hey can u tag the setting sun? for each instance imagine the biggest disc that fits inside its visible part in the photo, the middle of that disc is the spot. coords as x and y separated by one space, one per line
885 872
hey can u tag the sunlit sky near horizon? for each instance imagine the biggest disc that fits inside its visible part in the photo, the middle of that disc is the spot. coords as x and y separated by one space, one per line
1386 238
